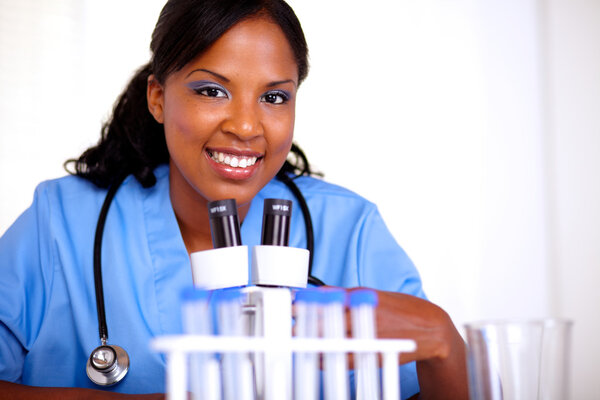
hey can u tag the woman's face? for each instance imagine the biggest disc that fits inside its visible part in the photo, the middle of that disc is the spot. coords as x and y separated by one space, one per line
229 114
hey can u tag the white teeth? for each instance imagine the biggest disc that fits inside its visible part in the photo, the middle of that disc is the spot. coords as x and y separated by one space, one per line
233 161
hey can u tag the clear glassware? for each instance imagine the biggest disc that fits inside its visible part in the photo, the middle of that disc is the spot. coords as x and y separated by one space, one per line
514 360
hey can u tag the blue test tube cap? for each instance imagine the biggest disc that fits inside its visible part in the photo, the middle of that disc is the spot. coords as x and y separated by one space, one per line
192 293
228 294
310 295
332 295
363 296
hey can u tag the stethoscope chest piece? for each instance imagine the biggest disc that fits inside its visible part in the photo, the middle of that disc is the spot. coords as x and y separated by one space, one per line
107 365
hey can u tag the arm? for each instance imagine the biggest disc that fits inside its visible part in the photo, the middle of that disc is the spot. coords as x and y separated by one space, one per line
15 391
404 312
440 354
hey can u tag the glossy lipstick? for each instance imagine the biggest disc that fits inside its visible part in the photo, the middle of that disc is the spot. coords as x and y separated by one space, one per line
231 164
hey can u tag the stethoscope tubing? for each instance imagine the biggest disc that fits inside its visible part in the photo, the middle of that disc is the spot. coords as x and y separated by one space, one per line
99 288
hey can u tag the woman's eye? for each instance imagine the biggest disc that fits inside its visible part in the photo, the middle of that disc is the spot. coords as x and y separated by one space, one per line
211 92
275 97
208 89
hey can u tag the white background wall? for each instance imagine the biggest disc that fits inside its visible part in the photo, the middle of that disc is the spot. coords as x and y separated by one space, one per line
474 125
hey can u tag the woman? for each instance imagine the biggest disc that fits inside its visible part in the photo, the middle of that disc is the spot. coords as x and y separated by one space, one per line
210 117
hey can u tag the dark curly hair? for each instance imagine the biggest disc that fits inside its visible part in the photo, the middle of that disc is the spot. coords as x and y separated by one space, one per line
131 141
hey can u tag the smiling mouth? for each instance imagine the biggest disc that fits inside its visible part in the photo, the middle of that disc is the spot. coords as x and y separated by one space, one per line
232 160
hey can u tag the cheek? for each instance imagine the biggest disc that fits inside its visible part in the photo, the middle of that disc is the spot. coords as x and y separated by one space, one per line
282 133
177 124
186 124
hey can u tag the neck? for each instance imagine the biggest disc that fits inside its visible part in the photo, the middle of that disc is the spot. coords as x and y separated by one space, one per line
191 211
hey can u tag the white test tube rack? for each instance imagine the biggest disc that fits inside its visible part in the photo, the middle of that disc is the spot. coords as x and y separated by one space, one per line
178 348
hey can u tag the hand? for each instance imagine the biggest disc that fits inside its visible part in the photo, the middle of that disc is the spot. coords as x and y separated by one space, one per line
440 352
404 316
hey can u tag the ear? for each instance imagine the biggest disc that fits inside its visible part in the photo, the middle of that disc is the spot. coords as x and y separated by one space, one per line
156 99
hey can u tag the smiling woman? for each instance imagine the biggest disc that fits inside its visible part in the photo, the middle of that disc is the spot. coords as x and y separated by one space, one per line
229 120
210 117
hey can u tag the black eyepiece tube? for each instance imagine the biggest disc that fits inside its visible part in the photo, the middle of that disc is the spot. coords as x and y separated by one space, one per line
224 223
277 214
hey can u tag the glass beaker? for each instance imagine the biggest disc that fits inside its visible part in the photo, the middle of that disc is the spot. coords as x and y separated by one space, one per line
519 360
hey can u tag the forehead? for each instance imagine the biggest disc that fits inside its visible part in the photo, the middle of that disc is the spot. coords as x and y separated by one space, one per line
253 46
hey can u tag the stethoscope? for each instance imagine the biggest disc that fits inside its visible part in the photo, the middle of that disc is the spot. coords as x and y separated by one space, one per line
108 363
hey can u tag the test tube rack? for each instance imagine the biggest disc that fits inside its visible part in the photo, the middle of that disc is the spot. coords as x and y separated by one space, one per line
268 315
177 349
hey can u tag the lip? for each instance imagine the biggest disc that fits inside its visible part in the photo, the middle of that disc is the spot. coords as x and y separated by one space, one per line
228 172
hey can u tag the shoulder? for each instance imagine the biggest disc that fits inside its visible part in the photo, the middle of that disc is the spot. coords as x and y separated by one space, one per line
320 187
66 188
332 207
75 191
330 202
320 193
69 206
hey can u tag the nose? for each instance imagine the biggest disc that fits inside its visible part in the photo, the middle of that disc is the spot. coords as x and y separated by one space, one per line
243 119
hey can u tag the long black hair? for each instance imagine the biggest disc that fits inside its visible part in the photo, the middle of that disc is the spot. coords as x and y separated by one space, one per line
131 141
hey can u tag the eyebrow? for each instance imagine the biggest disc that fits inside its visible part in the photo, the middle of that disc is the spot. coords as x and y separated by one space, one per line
210 72
270 84
276 83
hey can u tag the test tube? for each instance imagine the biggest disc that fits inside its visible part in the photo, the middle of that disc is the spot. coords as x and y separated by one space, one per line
306 365
205 382
277 214
196 314
335 365
236 367
224 223
362 312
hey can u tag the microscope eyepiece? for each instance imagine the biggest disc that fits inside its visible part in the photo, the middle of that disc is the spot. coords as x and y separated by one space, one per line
277 214
224 223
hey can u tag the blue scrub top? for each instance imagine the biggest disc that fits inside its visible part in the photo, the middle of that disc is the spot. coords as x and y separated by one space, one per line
48 318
